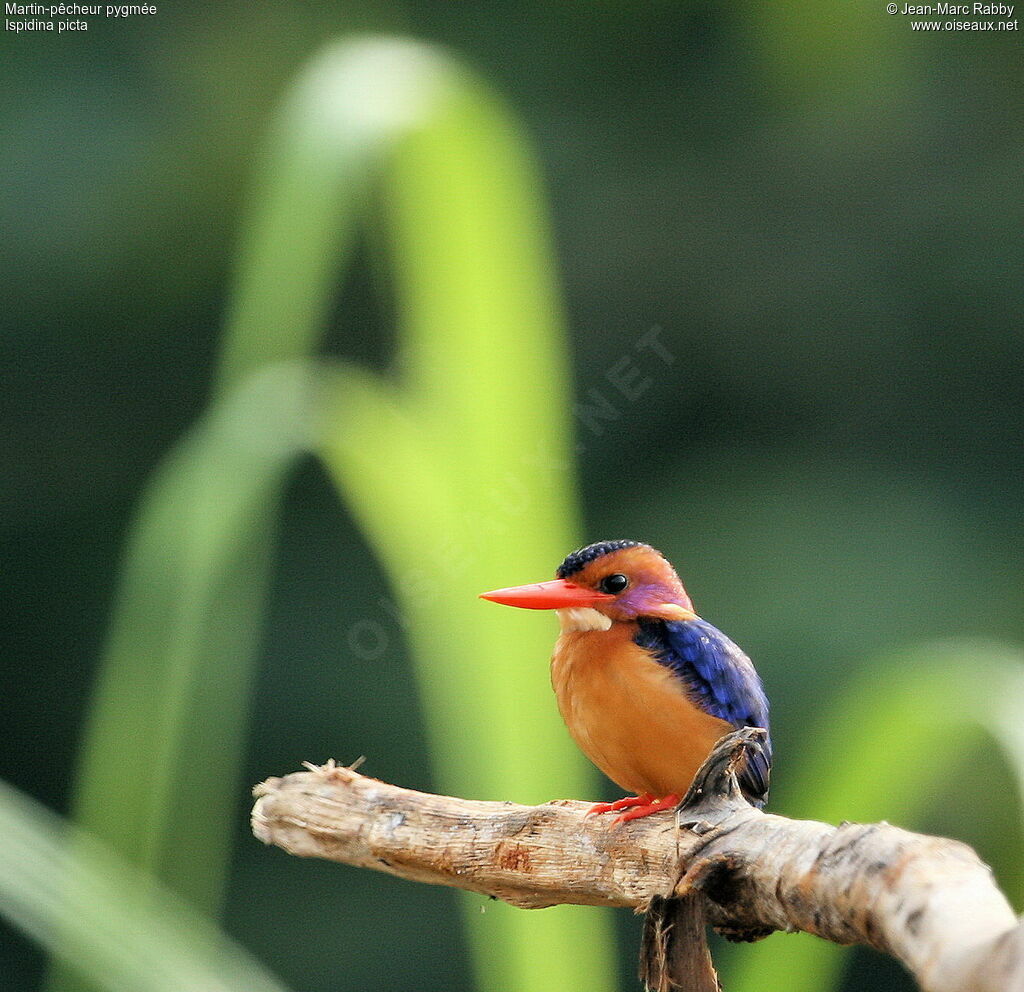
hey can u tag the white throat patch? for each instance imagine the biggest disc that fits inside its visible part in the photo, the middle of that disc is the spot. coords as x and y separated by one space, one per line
583 618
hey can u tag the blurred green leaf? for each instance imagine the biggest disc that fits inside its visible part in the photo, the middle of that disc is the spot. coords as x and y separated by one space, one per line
884 751
329 140
461 483
122 930
462 478
168 718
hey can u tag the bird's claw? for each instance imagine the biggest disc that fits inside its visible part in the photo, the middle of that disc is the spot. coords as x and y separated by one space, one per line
635 806
625 803
657 806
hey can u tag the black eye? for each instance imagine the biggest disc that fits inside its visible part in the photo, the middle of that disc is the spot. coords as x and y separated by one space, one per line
613 583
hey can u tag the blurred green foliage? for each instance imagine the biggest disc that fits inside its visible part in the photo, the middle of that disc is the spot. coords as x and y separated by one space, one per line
118 927
443 485
820 214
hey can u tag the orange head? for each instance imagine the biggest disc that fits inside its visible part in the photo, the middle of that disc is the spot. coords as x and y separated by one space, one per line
623 580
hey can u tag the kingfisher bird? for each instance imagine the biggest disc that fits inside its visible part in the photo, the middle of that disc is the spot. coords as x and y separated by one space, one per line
645 686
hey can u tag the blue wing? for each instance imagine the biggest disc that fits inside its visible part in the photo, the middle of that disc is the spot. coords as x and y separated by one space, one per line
719 678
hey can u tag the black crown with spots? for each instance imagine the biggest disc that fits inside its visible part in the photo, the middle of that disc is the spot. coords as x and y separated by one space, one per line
580 559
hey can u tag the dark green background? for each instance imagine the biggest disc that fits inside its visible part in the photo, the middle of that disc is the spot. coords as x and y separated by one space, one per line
820 209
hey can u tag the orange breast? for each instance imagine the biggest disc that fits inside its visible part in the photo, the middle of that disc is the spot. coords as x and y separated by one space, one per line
628 713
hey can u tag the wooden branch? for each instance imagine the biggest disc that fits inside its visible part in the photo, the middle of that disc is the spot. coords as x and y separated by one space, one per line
929 902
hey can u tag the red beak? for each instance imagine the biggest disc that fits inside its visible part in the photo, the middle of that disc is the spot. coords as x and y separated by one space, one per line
554 595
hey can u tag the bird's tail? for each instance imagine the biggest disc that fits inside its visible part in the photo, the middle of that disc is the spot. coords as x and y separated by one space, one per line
755 772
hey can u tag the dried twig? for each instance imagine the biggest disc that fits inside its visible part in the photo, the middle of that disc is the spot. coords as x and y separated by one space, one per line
929 902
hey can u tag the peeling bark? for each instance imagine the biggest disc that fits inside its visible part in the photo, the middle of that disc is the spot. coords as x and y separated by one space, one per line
675 953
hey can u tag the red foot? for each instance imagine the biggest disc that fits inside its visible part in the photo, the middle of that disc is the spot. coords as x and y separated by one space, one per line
669 802
621 804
